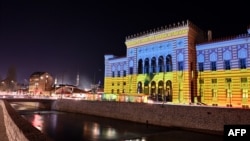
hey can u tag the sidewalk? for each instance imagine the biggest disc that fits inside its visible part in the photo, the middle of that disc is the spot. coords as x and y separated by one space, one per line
3 135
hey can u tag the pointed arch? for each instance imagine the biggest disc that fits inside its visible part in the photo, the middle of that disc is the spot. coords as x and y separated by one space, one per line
139 87
169 65
169 91
146 66
140 66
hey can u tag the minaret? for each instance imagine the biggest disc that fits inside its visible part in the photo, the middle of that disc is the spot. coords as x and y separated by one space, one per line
55 80
77 79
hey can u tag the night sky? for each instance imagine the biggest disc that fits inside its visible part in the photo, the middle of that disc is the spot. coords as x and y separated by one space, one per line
63 38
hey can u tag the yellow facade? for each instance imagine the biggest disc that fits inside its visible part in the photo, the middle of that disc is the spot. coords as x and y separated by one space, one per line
221 92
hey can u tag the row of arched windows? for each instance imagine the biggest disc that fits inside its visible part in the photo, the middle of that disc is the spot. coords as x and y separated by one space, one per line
154 65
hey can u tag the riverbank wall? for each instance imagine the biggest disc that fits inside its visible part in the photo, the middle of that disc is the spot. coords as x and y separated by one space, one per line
200 118
17 128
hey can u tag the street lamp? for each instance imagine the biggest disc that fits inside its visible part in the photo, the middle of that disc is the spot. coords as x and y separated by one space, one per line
230 95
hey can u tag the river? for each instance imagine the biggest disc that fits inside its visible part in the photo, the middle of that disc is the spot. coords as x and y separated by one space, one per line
63 126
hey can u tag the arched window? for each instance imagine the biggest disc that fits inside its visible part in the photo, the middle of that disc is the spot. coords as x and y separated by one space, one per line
201 62
146 66
169 63
227 56
139 87
140 66
213 59
242 55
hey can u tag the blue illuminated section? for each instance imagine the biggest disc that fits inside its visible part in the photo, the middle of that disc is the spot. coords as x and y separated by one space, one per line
114 64
163 48
181 42
235 41
148 52
232 51
131 52
154 50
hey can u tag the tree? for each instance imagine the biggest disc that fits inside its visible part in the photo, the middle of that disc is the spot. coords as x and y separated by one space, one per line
11 81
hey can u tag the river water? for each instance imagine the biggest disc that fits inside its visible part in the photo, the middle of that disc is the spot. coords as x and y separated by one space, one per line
62 126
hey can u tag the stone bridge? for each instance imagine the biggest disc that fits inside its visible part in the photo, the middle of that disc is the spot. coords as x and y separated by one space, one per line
44 104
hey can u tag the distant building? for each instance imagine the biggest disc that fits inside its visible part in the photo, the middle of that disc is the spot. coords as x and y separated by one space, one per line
40 83
182 64
68 90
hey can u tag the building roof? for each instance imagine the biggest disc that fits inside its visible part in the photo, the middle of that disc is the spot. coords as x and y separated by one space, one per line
37 74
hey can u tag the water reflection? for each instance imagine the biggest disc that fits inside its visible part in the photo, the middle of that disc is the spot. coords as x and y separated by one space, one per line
61 126
95 131
38 122
90 129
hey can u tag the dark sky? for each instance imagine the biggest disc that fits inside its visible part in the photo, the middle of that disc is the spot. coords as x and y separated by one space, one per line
66 37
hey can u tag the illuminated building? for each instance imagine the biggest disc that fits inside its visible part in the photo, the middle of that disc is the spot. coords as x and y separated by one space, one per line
178 63
223 71
40 83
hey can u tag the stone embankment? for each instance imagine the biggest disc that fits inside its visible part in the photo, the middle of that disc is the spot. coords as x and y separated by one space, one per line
199 118
17 128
